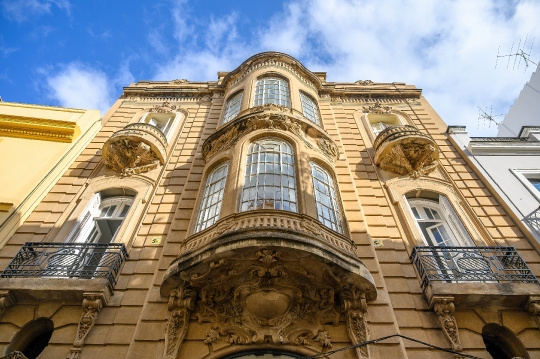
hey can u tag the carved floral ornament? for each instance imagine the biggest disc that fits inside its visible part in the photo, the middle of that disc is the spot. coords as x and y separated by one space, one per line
229 135
364 82
165 107
377 108
267 296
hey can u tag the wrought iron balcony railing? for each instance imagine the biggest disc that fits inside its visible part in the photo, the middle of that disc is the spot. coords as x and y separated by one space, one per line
68 260
471 264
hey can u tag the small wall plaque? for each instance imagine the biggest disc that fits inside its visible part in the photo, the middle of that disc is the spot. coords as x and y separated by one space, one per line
378 243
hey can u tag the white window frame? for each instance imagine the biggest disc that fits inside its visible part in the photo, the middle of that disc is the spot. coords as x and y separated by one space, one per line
232 107
210 212
334 208
310 108
261 97
169 119
523 176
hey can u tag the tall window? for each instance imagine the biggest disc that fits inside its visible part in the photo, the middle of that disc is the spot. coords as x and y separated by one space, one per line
439 224
102 219
272 90
309 108
232 108
212 198
379 127
328 208
379 123
162 121
270 181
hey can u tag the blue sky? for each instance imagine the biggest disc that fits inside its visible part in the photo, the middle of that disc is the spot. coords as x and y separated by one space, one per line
81 53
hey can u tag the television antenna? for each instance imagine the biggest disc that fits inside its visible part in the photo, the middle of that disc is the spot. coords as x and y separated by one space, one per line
486 117
519 55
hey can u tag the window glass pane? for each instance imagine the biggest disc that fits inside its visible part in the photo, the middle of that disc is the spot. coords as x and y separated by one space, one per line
309 108
270 182
210 208
232 108
378 127
325 196
535 182
271 90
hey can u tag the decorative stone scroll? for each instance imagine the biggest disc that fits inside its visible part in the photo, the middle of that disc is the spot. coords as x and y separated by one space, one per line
377 108
444 309
181 304
165 107
6 301
92 305
406 151
533 307
354 306
364 82
228 137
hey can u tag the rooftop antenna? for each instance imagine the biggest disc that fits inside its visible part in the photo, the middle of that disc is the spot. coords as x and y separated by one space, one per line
519 55
486 117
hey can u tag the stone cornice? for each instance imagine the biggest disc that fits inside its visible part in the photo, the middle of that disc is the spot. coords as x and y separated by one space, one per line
510 148
37 128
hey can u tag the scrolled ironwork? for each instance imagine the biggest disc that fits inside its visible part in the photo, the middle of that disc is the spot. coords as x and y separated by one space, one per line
68 260
471 264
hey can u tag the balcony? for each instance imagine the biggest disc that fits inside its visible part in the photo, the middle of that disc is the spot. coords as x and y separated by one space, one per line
406 151
475 275
63 270
137 148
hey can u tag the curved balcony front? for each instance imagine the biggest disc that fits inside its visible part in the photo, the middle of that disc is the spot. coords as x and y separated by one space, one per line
406 151
137 148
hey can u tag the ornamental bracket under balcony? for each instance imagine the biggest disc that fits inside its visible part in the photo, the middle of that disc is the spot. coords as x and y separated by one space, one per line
137 148
406 151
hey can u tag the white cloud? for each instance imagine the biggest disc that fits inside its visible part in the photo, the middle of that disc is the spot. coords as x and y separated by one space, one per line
447 48
21 10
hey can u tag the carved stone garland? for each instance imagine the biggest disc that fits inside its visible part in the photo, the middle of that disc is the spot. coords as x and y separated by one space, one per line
181 303
354 306
377 108
92 305
278 122
165 107
444 309
267 296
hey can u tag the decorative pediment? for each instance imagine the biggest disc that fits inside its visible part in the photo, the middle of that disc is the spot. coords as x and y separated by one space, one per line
260 118
377 108
165 107
406 151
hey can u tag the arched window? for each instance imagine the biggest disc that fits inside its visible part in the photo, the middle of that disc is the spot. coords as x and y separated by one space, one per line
103 216
33 338
270 181
210 208
272 90
501 343
328 208
232 107
162 121
379 122
438 223
309 108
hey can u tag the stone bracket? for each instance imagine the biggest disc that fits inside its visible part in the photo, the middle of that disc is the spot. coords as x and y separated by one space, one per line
354 306
444 308
92 304
181 304
533 307
6 301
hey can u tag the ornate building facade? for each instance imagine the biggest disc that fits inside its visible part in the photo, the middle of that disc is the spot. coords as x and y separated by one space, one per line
270 213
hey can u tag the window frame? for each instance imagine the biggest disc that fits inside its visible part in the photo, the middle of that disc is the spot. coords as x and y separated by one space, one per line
334 198
524 176
226 118
263 92
304 96
198 227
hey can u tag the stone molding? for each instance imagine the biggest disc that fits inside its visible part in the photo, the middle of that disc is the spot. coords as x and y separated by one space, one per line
37 128
181 304
405 150
165 107
228 135
137 148
270 220
533 307
92 304
6 301
444 309
354 306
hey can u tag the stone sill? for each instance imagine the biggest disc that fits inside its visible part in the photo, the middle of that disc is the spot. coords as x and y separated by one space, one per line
472 294
51 289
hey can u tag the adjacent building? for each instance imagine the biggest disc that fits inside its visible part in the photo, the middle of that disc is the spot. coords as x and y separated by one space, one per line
270 213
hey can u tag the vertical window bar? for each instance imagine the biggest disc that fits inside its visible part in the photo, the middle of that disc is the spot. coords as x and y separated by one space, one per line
210 208
328 208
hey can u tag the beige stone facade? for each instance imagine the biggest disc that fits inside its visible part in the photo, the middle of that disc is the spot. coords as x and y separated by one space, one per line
270 272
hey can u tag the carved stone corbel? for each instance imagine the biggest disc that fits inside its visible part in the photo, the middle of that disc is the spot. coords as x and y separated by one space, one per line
181 304
354 306
444 309
533 307
6 301
92 304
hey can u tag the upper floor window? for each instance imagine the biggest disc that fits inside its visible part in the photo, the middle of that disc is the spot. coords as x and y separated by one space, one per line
325 196
379 123
439 224
232 107
270 181
102 218
309 108
272 90
210 208
162 121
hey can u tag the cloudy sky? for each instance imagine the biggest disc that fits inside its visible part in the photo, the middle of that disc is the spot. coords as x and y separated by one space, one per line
80 53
